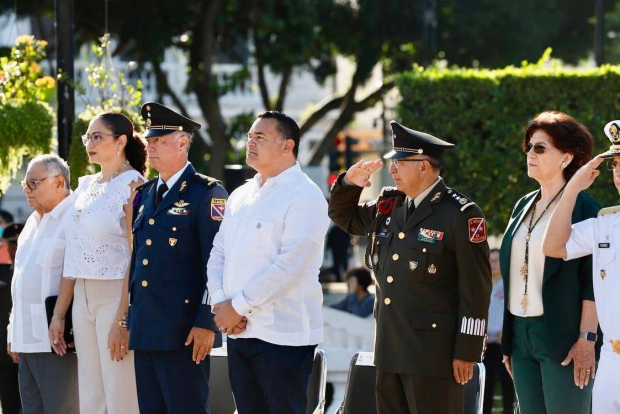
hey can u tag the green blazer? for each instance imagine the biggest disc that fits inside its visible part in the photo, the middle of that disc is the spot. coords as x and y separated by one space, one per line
565 284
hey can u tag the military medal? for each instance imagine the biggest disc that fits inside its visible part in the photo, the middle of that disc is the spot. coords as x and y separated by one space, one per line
432 269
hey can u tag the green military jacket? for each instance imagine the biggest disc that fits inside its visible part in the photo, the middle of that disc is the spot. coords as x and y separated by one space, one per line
433 276
566 284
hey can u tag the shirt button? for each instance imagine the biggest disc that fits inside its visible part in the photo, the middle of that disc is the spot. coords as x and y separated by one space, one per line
145 262
148 242
424 250
390 279
395 256
401 235
434 325
145 283
151 221
387 301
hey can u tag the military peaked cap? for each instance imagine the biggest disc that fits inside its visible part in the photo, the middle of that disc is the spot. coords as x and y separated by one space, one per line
612 130
407 142
163 121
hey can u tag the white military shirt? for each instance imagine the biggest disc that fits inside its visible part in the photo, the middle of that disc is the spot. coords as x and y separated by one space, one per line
600 237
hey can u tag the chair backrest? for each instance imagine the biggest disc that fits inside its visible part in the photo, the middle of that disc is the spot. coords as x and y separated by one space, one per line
474 391
359 394
317 383
221 400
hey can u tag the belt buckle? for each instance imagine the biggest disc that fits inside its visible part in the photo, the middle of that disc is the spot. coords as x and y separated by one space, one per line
615 344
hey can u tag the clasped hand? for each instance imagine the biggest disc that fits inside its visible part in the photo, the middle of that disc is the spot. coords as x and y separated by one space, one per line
227 318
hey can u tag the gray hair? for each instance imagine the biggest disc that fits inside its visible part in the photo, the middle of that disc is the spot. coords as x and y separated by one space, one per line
178 134
54 165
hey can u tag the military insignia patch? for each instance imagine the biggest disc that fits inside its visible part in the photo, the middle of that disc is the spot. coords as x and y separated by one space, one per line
388 220
375 259
477 230
432 269
148 122
430 236
436 196
172 241
218 205
181 204
413 265
183 185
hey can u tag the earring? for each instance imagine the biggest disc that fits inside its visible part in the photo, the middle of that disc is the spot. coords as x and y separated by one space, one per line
118 152
562 165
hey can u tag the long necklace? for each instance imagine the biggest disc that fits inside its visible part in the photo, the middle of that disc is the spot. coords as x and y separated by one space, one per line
123 165
530 228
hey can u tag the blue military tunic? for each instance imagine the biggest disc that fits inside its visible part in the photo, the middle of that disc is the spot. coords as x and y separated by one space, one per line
172 244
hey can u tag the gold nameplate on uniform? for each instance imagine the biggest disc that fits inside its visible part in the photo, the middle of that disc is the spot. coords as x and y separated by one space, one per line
172 241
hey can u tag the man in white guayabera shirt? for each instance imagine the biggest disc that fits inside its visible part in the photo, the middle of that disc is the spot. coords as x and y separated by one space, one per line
48 383
264 266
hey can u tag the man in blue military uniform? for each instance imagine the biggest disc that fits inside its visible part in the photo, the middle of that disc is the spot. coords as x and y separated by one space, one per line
176 217
427 246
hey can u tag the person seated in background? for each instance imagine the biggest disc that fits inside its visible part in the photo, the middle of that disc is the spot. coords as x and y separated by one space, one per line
359 301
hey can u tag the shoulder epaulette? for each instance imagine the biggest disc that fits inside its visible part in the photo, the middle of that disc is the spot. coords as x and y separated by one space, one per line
390 192
209 181
608 210
141 186
462 202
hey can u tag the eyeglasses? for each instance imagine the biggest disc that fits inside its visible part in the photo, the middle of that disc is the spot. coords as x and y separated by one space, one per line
612 164
538 148
95 137
32 184
396 162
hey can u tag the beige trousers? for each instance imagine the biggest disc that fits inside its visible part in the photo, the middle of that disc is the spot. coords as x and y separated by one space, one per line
105 386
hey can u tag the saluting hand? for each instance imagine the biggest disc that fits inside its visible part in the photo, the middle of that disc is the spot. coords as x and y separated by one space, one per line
203 343
585 176
359 173
463 371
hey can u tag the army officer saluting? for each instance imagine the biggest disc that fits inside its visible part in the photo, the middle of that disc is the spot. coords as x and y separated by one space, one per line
427 245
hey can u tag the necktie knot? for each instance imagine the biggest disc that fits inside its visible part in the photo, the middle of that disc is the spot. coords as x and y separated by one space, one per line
160 193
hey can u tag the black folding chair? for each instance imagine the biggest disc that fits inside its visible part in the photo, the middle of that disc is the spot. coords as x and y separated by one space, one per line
474 391
359 393
317 383
221 400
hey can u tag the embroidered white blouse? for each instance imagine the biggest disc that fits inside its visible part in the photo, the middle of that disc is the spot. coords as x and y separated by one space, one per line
97 245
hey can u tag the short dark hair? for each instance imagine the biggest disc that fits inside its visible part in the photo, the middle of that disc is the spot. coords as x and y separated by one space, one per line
364 279
567 134
287 127
6 216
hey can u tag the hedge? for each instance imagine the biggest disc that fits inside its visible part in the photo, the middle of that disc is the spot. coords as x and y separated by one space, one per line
485 113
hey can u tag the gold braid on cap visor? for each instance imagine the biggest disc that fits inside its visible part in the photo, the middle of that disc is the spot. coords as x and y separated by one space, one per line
413 151
165 127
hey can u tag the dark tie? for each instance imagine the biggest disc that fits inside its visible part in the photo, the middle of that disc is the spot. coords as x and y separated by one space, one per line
410 209
160 193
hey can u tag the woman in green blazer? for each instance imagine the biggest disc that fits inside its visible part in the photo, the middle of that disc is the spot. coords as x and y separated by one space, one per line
550 325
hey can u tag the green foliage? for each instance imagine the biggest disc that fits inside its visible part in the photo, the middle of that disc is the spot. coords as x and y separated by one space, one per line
26 119
113 93
485 113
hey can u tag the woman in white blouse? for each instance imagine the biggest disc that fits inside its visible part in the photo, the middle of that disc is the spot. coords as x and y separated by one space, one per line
97 258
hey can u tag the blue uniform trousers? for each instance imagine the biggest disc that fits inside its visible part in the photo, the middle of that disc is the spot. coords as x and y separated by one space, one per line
169 382
268 378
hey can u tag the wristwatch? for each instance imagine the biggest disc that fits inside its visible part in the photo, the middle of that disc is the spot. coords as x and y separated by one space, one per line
122 324
588 336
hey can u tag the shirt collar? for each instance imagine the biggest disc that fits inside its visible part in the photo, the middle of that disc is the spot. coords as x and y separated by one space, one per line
288 176
62 206
175 177
424 193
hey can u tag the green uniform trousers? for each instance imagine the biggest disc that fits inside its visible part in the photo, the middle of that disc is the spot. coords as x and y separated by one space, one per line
543 386
406 394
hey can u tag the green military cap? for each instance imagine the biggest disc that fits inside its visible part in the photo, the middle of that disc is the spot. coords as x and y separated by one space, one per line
161 120
407 142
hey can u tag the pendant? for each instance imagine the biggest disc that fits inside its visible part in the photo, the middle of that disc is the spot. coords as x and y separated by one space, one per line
527 238
603 274
524 303
523 271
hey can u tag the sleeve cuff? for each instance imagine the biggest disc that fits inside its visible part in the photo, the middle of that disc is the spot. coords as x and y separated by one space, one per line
242 307
216 297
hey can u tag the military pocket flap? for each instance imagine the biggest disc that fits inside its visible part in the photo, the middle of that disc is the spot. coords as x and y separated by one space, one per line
434 321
